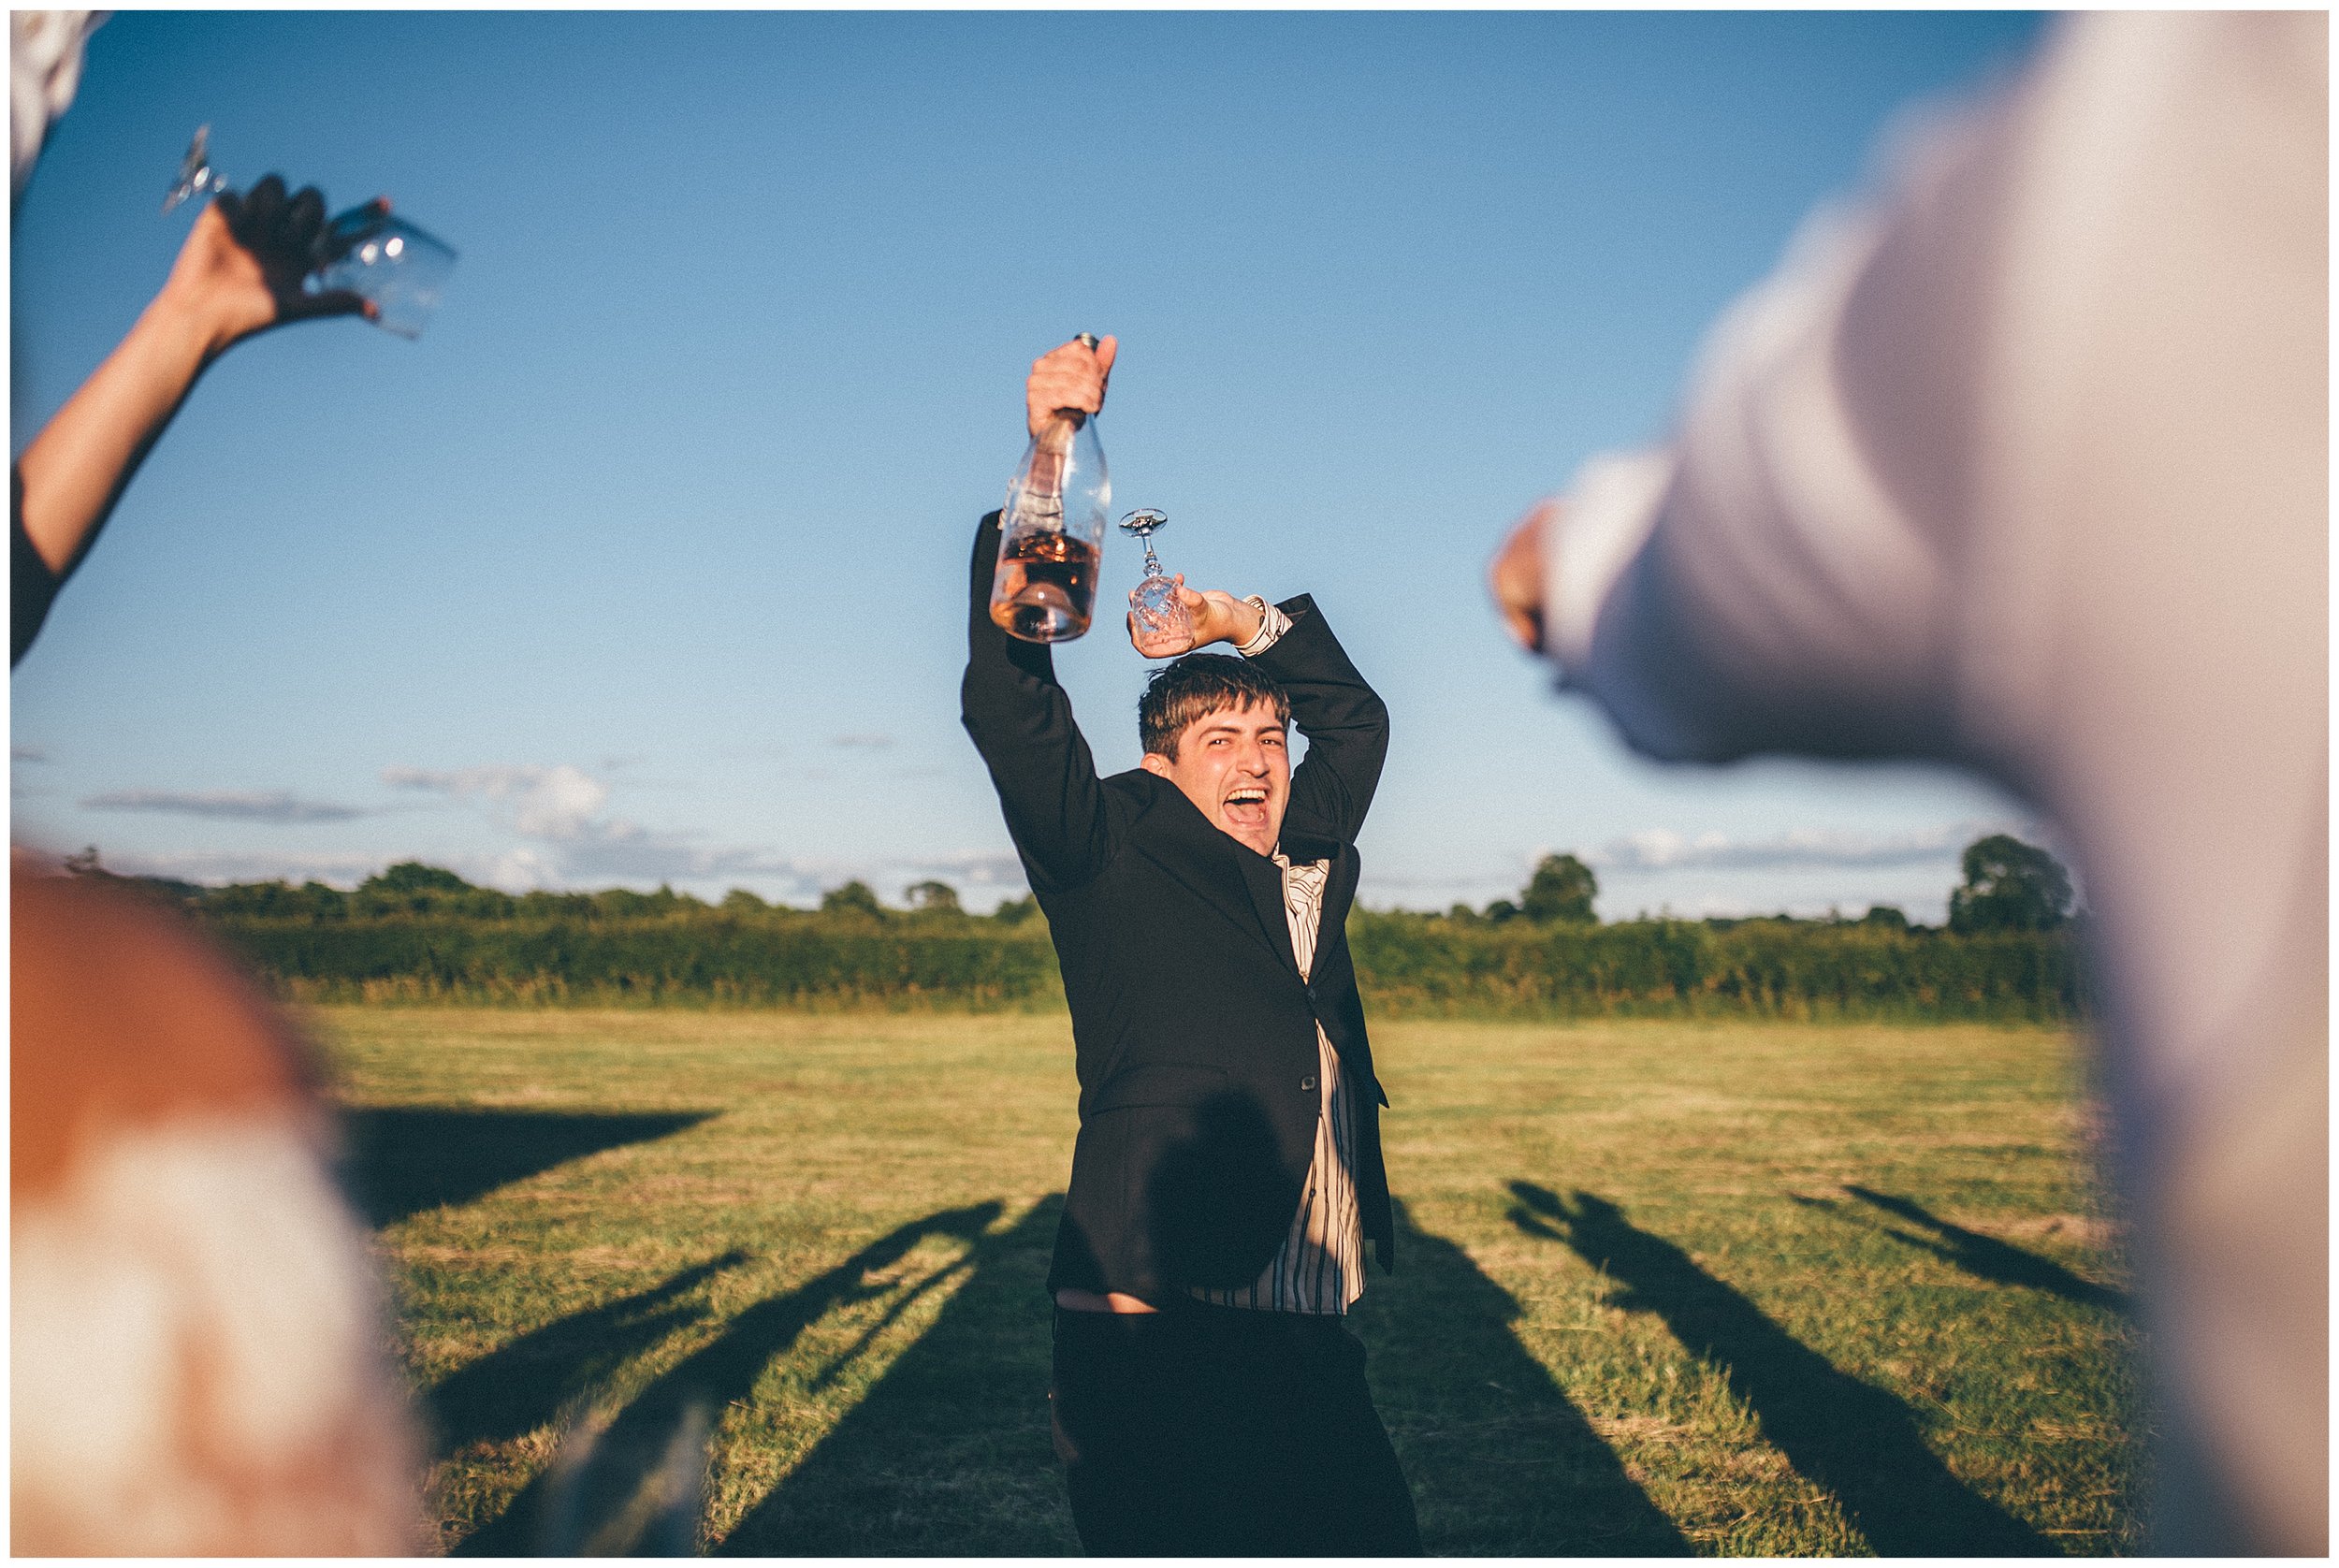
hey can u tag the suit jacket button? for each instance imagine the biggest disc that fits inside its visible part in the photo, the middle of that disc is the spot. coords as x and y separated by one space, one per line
1306 1083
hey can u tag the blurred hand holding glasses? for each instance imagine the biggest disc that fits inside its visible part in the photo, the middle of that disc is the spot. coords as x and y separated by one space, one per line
396 267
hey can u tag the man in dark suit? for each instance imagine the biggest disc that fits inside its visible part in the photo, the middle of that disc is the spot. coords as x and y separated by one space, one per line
1208 1399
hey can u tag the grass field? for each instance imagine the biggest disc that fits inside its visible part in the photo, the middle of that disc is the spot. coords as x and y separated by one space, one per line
1661 1288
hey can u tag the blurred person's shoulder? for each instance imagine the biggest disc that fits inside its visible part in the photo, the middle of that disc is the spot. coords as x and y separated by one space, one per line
120 1012
196 1334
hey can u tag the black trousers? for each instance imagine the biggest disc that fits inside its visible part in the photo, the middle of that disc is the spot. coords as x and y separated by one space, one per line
1213 1431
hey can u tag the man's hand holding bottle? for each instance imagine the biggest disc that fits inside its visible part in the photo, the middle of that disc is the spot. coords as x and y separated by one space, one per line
1071 376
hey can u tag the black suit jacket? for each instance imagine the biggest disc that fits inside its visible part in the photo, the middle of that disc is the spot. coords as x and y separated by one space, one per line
1195 1034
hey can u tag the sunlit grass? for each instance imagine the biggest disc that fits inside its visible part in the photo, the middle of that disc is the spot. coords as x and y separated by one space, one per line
1661 1286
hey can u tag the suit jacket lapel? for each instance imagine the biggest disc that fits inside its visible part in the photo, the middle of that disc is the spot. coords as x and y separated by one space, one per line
1340 889
1201 840
1265 880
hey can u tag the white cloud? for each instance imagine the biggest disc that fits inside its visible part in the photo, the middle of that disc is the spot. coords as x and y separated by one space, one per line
875 742
626 853
242 805
557 803
239 865
1720 904
28 754
1656 849
983 868
571 841
557 830
978 874
1802 871
563 809
518 870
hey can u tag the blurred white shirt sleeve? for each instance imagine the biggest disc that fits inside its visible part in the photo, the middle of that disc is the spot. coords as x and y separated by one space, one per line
1758 586
44 71
2025 465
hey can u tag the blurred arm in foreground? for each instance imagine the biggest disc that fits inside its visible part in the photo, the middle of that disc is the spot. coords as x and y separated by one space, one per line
2027 469
238 273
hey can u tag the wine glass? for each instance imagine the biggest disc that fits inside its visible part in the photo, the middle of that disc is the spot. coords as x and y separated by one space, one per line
195 173
1159 619
397 266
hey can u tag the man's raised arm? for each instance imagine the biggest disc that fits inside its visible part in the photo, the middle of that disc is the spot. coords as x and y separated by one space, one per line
1020 718
1344 719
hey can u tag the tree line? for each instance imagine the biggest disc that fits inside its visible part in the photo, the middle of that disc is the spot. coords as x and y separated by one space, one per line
421 933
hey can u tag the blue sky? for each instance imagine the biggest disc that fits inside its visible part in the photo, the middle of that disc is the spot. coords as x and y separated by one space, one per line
647 563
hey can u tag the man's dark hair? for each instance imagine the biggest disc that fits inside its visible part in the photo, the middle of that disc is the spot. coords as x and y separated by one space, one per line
1196 686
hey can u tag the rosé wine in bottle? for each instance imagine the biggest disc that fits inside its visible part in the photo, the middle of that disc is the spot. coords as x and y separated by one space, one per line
1046 587
1052 531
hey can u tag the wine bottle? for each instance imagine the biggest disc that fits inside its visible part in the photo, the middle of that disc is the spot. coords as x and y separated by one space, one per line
1052 532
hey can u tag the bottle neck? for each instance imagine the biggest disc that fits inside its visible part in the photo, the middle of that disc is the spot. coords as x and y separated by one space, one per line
1052 451
1054 438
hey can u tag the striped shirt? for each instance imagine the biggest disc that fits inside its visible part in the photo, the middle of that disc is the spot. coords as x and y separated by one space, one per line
1320 1265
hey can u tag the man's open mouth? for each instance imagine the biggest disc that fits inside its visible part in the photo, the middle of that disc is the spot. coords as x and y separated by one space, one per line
1248 805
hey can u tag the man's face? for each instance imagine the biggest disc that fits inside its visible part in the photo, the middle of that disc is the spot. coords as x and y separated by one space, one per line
1235 767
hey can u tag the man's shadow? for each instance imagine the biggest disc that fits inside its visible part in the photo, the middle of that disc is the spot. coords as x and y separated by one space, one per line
528 1383
406 1160
1988 1258
948 1455
1855 1441
636 1442
1501 1460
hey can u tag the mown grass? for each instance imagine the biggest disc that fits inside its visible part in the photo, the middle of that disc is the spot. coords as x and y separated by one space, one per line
1661 1287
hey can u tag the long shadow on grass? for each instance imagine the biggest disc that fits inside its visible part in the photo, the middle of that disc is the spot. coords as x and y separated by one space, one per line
948 1455
513 1390
1989 1258
1854 1440
634 1443
1501 1460
405 1159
